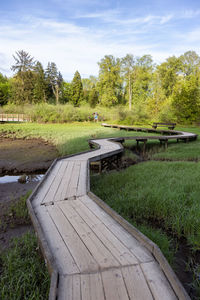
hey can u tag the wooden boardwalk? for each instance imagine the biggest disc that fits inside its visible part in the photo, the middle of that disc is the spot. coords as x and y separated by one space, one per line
14 118
91 252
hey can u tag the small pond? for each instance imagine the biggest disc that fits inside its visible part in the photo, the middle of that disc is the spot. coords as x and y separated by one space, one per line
23 179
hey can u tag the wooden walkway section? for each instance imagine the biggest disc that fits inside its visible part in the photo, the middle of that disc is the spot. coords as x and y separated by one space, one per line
92 253
14 118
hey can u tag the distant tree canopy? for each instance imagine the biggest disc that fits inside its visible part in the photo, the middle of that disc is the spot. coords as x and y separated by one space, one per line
168 91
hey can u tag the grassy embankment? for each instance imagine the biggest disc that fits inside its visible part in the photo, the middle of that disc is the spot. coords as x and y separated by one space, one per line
68 138
163 193
23 275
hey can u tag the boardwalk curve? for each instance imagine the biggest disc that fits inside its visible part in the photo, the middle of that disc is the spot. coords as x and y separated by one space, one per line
92 252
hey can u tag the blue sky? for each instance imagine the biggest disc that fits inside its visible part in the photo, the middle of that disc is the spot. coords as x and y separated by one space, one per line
76 34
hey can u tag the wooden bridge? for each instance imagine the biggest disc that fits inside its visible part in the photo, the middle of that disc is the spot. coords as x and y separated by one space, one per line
14 118
92 253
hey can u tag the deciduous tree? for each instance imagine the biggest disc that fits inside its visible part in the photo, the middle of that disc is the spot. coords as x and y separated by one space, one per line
110 82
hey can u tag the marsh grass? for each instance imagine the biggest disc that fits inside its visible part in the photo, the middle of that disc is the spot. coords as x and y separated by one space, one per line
23 272
19 210
164 192
68 138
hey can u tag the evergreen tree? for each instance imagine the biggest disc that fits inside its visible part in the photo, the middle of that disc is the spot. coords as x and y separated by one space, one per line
54 81
77 89
93 97
40 84
24 78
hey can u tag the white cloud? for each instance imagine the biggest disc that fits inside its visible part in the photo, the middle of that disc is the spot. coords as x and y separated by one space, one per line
189 14
79 47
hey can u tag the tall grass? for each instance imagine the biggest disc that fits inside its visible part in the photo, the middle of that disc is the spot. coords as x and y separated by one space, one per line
163 192
23 273
64 113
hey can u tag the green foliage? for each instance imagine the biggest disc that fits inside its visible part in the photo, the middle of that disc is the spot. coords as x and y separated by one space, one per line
190 63
54 81
110 83
40 84
19 210
4 90
66 94
168 92
168 73
93 97
76 89
23 273
186 99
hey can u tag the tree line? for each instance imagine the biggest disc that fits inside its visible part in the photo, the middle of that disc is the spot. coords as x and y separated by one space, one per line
170 90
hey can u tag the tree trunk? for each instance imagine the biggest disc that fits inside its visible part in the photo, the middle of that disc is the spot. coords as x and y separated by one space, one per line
130 91
57 94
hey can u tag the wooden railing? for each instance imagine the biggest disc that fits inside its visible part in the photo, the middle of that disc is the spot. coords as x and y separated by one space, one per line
14 118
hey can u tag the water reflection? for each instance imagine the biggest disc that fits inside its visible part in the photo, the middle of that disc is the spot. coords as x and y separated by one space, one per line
21 179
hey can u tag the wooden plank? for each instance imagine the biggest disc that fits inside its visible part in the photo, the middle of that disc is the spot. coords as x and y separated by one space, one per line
55 185
114 245
136 284
47 183
63 258
73 183
92 287
70 288
158 283
114 286
140 252
80 253
81 190
101 254
60 195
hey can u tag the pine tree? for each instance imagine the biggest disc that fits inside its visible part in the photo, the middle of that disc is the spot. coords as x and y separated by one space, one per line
24 78
40 84
77 89
54 80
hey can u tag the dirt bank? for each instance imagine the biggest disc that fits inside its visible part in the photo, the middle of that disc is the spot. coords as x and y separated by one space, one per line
19 156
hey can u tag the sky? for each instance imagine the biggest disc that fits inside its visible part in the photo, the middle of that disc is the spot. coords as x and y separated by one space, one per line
77 34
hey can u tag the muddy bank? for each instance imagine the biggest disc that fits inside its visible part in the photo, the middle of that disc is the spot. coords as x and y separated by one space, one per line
19 156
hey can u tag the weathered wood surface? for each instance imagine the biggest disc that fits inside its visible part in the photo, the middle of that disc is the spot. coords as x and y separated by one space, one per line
91 249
